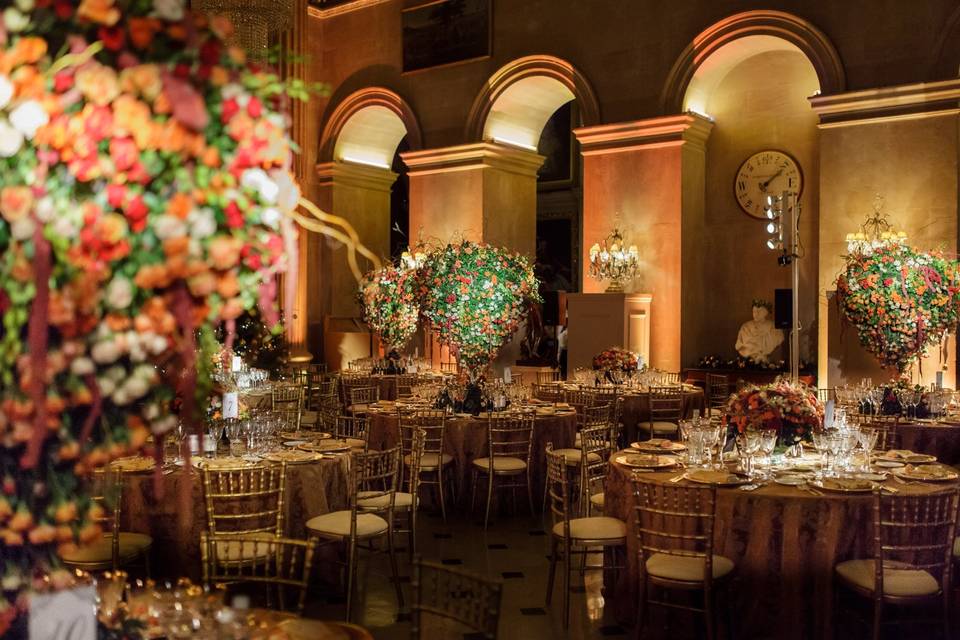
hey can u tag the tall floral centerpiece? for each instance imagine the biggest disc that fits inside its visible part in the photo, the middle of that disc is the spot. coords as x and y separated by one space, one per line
144 182
901 300
474 296
388 299
791 409
615 362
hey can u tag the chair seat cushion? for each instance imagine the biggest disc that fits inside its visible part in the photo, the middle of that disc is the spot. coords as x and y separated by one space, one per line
355 443
337 524
572 456
309 418
898 580
501 464
659 427
358 408
428 461
599 528
378 500
686 569
131 546
235 550
598 499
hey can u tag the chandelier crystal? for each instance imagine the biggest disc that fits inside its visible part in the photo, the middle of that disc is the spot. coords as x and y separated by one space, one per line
875 232
612 260
253 20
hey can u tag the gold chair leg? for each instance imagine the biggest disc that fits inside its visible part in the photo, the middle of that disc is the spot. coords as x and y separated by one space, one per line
351 576
567 562
393 569
529 491
553 569
443 508
490 488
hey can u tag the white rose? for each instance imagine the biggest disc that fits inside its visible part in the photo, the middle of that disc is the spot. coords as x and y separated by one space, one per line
116 373
171 10
163 425
231 90
6 90
106 386
11 140
151 411
105 352
14 20
11 582
145 372
136 388
270 217
120 397
64 227
45 209
167 226
25 5
289 193
23 228
137 352
157 345
202 223
28 117
119 293
81 367
258 180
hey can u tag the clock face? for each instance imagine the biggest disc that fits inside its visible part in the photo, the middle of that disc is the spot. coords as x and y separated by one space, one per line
766 173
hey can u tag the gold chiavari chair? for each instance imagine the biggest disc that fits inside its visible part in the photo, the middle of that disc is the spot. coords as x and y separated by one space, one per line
717 391
579 399
670 377
328 416
374 476
675 527
596 446
405 503
548 392
354 430
546 377
435 464
826 395
666 411
115 548
454 594
287 400
244 501
507 464
574 536
887 436
913 538
449 367
593 416
279 563
361 398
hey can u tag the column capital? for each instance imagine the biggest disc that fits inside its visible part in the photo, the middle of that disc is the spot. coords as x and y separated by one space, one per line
885 104
665 131
478 155
355 175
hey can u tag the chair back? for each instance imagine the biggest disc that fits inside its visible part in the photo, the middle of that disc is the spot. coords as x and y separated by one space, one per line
887 435
107 493
417 444
598 414
718 390
354 428
595 449
666 404
245 500
915 532
432 423
405 384
616 429
558 489
457 595
675 520
825 395
579 398
283 563
288 402
545 377
364 396
510 436
376 474
548 392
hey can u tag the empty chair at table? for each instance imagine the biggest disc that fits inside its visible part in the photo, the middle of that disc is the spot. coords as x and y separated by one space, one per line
546 377
507 464
446 595
115 548
354 430
362 398
243 501
666 411
435 465
280 564
570 536
374 476
548 392
287 401
910 563
675 526
717 389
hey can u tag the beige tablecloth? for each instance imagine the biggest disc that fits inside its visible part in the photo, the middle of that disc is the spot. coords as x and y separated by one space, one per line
175 520
785 543
636 409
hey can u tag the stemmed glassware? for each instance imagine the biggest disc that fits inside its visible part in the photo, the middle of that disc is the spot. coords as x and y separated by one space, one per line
749 443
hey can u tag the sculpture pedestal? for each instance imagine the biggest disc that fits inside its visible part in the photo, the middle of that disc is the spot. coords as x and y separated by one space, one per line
598 321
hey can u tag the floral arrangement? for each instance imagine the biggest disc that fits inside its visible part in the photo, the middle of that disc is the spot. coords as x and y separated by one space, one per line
474 295
900 299
745 363
793 410
615 359
144 182
388 300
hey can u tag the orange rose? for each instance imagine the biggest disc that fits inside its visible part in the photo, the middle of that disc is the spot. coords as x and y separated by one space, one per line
15 203
228 286
99 11
180 206
28 51
176 246
12 538
143 79
142 31
232 309
112 228
21 520
224 252
43 534
28 83
98 84
202 284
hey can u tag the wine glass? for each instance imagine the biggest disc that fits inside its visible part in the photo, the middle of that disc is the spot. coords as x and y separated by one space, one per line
750 442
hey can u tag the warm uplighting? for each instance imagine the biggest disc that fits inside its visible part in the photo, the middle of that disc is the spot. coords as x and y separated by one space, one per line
875 232
611 260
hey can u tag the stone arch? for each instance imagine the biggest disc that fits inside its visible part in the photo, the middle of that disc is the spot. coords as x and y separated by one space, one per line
367 126
761 29
517 100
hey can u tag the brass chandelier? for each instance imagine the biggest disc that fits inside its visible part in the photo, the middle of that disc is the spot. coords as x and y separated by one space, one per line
254 21
875 232
612 260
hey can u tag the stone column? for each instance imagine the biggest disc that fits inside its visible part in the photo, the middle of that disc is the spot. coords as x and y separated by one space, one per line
647 177
901 143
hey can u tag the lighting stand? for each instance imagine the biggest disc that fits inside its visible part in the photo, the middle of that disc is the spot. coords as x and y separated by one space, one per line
784 213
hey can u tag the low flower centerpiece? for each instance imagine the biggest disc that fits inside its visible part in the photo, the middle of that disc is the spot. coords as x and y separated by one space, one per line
616 364
791 409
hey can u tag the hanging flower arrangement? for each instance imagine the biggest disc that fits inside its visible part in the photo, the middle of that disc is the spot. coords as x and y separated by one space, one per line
144 182
388 299
792 410
900 300
474 296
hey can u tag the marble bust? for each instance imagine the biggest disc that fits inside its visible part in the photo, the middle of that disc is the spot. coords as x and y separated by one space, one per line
758 337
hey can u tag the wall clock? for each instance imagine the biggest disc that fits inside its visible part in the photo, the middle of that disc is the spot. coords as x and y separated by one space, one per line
767 172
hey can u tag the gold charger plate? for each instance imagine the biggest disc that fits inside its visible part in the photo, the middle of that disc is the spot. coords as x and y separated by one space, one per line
926 473
304 435
133 464
292 456
324 446
719 478
844 485
225 462
658 445
905 455
646 460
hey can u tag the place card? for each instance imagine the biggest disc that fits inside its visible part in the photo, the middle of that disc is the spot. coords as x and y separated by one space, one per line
236 364
231 405
64 615
507 375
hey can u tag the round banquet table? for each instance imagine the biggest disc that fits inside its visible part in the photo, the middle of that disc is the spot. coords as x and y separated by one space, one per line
176 519
636 409
388 383
465 438
941 439
784 541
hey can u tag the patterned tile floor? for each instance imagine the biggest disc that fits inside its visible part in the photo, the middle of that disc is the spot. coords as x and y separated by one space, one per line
515 549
